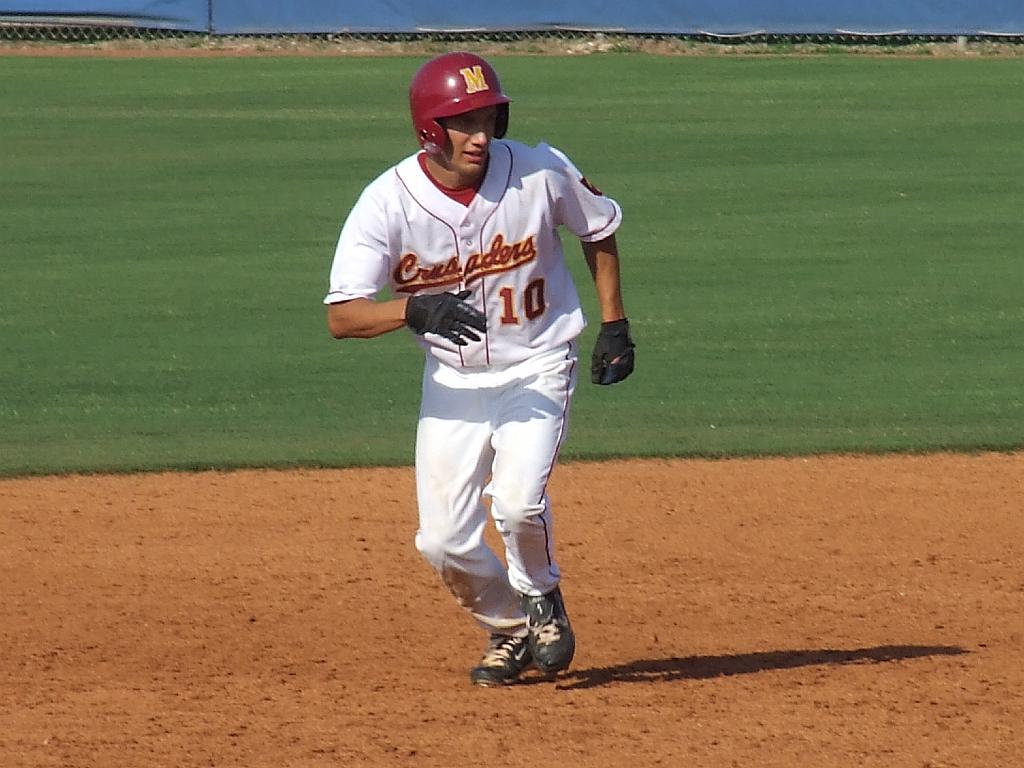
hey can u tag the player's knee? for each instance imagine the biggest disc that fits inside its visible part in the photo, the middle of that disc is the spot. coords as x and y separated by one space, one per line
436 547
515 514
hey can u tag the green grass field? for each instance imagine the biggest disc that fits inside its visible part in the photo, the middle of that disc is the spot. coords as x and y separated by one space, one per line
822 254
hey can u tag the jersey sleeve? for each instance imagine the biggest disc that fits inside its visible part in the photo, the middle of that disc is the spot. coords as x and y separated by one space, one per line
579 205
361 258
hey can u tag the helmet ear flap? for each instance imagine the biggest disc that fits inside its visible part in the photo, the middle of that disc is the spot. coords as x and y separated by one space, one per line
501 121
433 137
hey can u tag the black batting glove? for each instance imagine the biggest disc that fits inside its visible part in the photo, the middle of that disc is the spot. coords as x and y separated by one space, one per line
447 315
612 360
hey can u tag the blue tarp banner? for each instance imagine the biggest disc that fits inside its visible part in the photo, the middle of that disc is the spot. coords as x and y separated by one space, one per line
189 15
720 17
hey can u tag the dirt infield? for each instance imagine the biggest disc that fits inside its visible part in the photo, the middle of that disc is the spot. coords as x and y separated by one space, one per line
789 612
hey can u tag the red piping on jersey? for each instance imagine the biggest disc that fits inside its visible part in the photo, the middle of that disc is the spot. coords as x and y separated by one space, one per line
483 308
483 226
455 239
601 229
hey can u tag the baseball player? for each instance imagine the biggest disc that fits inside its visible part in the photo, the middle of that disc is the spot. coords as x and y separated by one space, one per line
465 236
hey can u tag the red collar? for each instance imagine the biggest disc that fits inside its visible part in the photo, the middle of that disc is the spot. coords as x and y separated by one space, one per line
462 195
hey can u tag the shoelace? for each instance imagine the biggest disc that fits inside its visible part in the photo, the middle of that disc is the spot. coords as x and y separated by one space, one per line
498 654
549 633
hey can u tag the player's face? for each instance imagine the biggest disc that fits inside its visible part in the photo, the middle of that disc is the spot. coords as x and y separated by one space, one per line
469 141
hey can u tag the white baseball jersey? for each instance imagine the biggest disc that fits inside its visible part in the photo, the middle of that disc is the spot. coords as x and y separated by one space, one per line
407 235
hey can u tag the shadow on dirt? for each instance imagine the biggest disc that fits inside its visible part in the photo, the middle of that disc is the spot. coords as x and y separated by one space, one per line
702 667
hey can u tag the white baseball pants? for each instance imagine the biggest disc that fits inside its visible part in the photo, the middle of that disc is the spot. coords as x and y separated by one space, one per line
492 433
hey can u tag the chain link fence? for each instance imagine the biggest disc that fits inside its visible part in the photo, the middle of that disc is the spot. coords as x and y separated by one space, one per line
91 32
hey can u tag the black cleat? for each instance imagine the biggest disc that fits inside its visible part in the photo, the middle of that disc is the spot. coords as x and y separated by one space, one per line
504 660
552 643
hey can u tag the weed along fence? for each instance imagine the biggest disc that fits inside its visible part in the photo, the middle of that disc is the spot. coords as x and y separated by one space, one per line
835 19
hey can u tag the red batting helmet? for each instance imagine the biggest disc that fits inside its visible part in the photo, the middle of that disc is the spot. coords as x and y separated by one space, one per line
450 85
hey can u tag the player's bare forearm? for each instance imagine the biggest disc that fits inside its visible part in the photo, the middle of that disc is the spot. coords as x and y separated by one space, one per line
603 260
364 318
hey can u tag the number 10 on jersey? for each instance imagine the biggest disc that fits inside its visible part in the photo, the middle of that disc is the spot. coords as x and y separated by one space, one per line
532 303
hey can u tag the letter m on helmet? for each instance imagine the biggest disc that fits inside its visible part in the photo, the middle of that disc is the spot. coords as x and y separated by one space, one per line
475 80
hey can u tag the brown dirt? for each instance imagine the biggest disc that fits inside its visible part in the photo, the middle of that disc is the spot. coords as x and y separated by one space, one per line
598 43
831 612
